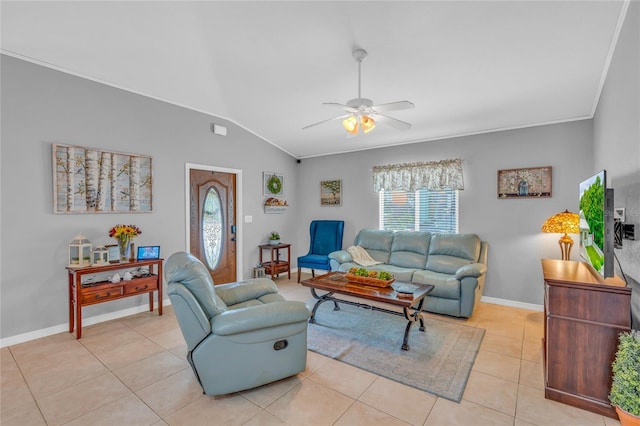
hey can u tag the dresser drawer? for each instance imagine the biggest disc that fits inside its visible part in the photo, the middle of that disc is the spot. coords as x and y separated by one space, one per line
141 285
101 295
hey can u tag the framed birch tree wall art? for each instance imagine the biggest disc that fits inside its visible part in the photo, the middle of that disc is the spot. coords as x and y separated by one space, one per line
89 180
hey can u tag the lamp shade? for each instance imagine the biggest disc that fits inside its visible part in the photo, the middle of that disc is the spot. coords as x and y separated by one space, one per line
562 223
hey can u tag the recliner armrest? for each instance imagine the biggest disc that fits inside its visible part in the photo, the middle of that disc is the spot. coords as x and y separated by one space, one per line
259 317
474 270
341 256
234 293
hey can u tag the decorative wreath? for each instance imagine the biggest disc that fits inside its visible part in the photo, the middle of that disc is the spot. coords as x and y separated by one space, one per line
274 184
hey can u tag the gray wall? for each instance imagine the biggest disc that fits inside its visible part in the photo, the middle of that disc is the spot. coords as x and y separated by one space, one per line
512 226
616 132
40 107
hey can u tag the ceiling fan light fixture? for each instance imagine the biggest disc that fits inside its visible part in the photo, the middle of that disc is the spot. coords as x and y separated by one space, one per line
350 124
368 123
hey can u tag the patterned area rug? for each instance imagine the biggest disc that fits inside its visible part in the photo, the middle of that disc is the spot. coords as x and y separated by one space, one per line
439 360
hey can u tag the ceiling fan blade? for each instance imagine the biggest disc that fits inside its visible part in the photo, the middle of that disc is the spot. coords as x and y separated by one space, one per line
394 106
393 122
344 107
324 121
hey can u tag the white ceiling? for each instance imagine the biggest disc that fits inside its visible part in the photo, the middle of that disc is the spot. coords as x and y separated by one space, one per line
469 67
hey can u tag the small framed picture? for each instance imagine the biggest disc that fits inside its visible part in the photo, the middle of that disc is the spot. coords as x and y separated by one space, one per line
272 184
148 252
331 192
113 253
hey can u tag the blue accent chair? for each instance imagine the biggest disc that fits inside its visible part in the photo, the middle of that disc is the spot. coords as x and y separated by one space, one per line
239 335
326 237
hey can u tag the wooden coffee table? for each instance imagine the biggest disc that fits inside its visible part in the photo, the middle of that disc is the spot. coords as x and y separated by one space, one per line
336 282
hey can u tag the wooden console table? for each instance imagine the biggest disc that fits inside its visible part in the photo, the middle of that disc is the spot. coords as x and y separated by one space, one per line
276 266
103 291
584 314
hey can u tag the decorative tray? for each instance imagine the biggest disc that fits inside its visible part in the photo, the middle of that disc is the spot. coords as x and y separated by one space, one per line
375 282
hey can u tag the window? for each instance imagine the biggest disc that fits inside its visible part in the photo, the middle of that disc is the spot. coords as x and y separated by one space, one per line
422 210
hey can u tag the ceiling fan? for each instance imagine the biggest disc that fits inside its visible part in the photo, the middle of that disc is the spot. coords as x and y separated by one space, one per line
361 112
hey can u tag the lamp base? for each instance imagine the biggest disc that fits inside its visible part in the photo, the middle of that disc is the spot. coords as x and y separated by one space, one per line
566 243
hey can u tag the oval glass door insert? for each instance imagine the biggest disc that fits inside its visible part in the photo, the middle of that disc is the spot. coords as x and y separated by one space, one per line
212 228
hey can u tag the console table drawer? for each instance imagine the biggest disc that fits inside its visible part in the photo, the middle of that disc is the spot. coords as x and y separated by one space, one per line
101 295
141 285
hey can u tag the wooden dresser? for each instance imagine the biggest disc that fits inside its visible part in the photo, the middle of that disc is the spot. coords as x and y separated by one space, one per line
584 314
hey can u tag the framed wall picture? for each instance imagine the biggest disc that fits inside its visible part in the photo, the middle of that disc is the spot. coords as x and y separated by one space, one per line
331 192
272 184
90 180
113 253
533 182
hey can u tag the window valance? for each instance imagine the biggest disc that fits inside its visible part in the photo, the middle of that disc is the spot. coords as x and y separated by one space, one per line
433 175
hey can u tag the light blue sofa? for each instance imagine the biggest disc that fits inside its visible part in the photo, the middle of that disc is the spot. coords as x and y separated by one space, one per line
239 335
455 264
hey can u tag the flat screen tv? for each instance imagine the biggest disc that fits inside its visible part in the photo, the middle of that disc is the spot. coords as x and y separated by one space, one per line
596 223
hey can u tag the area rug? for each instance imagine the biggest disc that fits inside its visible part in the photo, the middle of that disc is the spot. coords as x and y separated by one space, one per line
439 359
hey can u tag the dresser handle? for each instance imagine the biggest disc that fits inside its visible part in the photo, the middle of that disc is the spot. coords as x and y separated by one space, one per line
106 295
143 288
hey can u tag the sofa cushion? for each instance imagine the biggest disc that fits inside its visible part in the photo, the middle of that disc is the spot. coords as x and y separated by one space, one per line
409 249
449 252
377 242
445 285
186 269
316 259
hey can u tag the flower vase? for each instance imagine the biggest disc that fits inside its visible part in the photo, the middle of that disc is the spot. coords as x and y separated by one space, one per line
123 246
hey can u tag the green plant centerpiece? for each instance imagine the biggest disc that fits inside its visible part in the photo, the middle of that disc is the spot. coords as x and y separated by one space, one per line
274 238
376 278
625 388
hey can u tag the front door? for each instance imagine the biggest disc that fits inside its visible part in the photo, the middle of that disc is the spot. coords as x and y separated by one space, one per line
212 218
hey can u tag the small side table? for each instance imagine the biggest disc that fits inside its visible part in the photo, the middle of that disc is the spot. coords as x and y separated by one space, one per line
276 265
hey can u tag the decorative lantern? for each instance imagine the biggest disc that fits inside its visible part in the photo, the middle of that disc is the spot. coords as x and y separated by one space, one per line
79 252
100 256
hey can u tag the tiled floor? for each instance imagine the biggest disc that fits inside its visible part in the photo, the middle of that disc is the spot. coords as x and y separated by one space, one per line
132 371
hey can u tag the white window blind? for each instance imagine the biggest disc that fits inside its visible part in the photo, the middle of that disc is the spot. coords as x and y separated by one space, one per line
422 210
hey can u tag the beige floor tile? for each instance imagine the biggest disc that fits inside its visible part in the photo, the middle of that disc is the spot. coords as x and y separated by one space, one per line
128 411
172 393
534 408
466 413
150 370
360 414
533 331
180 351
532 351
160 423
314 362
492 392
344 378
310 403
403 402
35 361
513 329
169 339
81 399
21 415
100 328
264 418
121 356
503 345
206 411
15 396
110 338
10 374
502 366
154 324
608 421
264 396
42 345
531 374
520 422
65 374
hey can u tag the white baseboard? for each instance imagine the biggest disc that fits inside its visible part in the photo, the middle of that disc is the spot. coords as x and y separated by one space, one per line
512 303
32 335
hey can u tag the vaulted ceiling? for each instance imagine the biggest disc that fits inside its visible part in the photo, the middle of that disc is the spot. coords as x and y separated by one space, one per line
468 66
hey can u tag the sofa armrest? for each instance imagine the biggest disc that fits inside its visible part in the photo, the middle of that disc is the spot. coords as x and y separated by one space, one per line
341 256
259 317
234 293
474 270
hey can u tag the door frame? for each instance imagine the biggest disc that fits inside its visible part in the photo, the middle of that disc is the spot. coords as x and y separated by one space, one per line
239 216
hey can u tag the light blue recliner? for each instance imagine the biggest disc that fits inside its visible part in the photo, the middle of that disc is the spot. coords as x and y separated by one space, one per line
239 335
